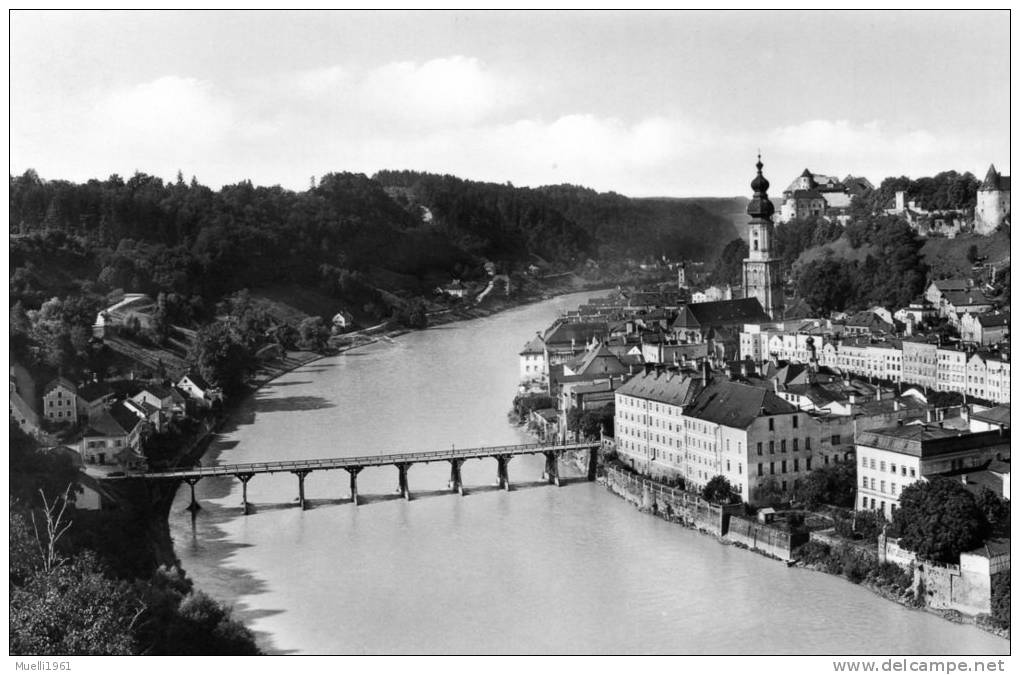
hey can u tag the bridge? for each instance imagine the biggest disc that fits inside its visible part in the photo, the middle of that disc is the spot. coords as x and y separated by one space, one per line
402 461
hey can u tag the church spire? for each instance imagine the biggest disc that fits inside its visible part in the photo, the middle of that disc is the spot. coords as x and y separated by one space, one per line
760 207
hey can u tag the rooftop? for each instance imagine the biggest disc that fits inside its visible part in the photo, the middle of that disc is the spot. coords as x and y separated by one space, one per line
928 440
736 405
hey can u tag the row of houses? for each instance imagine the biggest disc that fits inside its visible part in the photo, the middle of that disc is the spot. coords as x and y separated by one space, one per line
114 418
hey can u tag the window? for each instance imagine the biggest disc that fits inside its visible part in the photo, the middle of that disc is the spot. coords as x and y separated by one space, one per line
783 466
783 487
796 465
881 486
772 447
772 468
881 466
903 471
782 445
794 421
740 469
864 462
873 463
835 439
912 473
759 448
761 469
807 463
727 465
892 468
807 443
772 424
795 445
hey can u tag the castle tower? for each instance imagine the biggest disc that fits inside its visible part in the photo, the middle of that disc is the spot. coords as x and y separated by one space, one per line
993 199
763 274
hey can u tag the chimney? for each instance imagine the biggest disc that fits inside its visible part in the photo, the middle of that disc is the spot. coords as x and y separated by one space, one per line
895 404
928 417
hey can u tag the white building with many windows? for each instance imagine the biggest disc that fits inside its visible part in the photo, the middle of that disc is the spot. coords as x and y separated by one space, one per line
892 458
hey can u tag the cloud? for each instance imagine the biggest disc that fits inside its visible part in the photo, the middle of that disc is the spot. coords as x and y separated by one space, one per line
169 112
442 92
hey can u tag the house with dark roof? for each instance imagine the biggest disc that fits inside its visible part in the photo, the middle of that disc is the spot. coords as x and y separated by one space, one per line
114 437
695 320
94 398
169 400
987 328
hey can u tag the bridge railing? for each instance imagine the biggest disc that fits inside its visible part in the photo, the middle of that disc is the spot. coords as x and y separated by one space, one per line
366 460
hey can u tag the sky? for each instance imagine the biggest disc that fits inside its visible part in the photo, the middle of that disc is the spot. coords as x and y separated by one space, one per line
641 103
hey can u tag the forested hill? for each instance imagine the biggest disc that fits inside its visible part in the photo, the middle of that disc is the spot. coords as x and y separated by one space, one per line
146 235
558 222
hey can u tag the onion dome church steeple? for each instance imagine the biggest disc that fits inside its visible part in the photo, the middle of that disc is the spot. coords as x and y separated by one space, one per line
763 273
761 206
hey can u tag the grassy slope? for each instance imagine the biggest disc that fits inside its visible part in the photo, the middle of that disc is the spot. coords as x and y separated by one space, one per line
948 257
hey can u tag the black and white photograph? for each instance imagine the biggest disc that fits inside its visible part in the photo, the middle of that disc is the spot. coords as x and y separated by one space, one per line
475 333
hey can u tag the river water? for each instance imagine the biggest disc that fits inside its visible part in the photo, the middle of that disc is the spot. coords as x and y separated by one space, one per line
537 570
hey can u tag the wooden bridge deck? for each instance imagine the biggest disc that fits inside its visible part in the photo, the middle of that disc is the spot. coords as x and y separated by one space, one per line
308 465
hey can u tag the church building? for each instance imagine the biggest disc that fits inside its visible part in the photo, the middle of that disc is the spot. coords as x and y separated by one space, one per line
763 273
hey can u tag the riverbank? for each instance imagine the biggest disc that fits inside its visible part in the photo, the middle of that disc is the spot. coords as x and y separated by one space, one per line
690 512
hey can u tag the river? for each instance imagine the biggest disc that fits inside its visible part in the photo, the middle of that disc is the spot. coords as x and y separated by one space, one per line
537 570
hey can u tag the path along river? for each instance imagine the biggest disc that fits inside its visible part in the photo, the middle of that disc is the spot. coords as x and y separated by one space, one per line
537 570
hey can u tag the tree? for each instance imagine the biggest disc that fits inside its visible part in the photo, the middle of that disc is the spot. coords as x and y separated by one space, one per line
972 254
718 490
314 334
589 424
939 519
996 511
826 285
222 358
729 268
835 484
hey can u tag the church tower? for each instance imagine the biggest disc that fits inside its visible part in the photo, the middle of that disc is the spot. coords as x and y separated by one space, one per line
763 274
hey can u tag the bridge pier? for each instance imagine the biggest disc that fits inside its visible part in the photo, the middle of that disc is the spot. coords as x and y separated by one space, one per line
354 471
593 462
552 468
402 480
456 484
301 486
194 505
503 477
244 478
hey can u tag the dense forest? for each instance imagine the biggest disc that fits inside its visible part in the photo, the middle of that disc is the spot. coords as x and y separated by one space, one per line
345 235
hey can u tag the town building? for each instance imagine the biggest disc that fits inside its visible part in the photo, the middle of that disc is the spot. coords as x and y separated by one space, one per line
984 329
891 458
60 401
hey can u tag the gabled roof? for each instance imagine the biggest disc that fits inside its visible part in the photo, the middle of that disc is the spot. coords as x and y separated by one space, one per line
736 405
59 382
807 194
125 418
721 313
998 415
534 346
580 332
663 386
197 379
93 391
107 425
992 320
952 284
598 361
159 390
969 298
